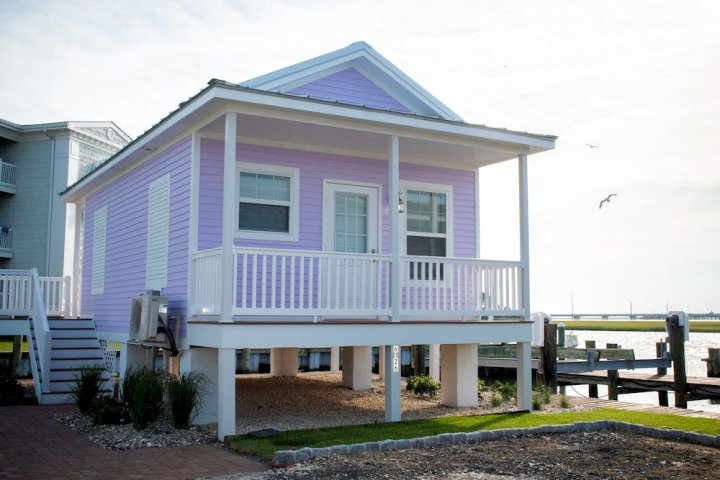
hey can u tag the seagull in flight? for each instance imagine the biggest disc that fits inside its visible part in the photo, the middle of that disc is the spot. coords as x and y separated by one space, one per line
592 146
607 199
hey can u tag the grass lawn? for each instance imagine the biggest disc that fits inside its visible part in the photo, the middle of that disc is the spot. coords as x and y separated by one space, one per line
635 325
6 346
324 437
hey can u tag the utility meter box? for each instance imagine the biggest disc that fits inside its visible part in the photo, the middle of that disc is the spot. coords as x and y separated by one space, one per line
678 319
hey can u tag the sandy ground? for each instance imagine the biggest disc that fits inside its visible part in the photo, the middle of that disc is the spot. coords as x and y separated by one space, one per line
313 400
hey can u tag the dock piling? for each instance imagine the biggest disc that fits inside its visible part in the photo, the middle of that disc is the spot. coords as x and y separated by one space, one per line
660 351
677 350
713 362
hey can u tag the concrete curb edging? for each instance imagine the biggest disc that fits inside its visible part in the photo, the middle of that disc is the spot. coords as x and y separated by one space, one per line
288 457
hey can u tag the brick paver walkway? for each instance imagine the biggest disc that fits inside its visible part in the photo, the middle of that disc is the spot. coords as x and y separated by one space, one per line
34 446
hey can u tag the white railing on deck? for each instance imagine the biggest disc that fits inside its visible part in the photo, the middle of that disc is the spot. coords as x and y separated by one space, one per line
7 174
291 282
16 293
461 286
206 295
317 283
56 295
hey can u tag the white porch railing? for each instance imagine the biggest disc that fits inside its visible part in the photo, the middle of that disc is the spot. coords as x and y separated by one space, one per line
289 282
467 287
7 175
16 293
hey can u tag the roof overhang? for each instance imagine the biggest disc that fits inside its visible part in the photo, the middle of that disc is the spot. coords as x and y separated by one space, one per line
273 118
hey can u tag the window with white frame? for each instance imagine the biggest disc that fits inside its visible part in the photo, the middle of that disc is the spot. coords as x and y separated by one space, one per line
267 201
426 228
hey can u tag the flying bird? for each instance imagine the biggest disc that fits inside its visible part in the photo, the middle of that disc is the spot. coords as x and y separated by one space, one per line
607 199
592 146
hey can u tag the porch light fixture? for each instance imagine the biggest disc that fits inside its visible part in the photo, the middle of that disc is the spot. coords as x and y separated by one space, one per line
401 203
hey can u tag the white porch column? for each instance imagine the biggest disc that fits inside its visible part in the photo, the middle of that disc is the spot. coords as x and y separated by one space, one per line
459 364
284 362
76 281
524 233
392 383
394 195
435 362
357 368
227 297
524 377
335 359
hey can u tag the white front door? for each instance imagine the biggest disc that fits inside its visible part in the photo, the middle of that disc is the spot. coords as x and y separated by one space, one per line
351 228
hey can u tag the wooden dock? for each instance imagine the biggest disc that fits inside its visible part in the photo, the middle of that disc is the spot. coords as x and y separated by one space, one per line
640 407
697 387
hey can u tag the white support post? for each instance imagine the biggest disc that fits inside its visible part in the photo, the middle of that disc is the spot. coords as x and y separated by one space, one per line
524 233
357 368
394 195
435 362
335 359
392 383
226 392
524 377
228 230
284 362
459 364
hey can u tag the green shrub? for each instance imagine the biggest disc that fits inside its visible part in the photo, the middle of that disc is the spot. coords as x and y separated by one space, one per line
565 401
87 387
537 401
11 391
506 390
423 385
481 386
545 393
143 391
495 399
108 411
185 396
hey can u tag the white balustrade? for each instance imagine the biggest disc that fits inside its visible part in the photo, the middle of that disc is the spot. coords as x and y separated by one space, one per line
460 286
311 283
207 296
56 294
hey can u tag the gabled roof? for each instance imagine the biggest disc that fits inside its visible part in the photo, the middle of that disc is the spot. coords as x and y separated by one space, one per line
365 59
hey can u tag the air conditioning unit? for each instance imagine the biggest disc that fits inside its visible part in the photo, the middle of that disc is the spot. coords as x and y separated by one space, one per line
144 316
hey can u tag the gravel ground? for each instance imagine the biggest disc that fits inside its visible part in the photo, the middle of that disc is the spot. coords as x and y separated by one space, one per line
316 400
577 456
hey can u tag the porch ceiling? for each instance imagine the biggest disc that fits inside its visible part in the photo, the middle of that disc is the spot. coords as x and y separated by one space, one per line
360 140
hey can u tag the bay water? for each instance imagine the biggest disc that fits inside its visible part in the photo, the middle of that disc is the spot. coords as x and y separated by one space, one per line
643 343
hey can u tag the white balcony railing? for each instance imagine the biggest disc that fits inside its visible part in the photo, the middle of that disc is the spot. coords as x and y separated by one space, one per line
290 282
7 176
6 237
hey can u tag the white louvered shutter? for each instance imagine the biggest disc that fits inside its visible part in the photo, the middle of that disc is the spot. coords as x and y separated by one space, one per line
158 233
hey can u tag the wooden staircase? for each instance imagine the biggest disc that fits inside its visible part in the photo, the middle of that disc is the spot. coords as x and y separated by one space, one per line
75 346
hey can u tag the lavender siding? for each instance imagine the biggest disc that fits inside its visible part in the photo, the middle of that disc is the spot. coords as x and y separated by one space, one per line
314 167
125 260
350 86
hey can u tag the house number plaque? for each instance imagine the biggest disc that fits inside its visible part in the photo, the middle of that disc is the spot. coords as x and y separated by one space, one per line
396 358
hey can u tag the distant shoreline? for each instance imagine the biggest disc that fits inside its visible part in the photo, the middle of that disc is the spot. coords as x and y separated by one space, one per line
635 325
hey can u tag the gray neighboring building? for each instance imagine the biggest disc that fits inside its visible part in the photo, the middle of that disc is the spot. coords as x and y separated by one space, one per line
37 162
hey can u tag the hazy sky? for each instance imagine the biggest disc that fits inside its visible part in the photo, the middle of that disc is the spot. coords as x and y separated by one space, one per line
639 79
